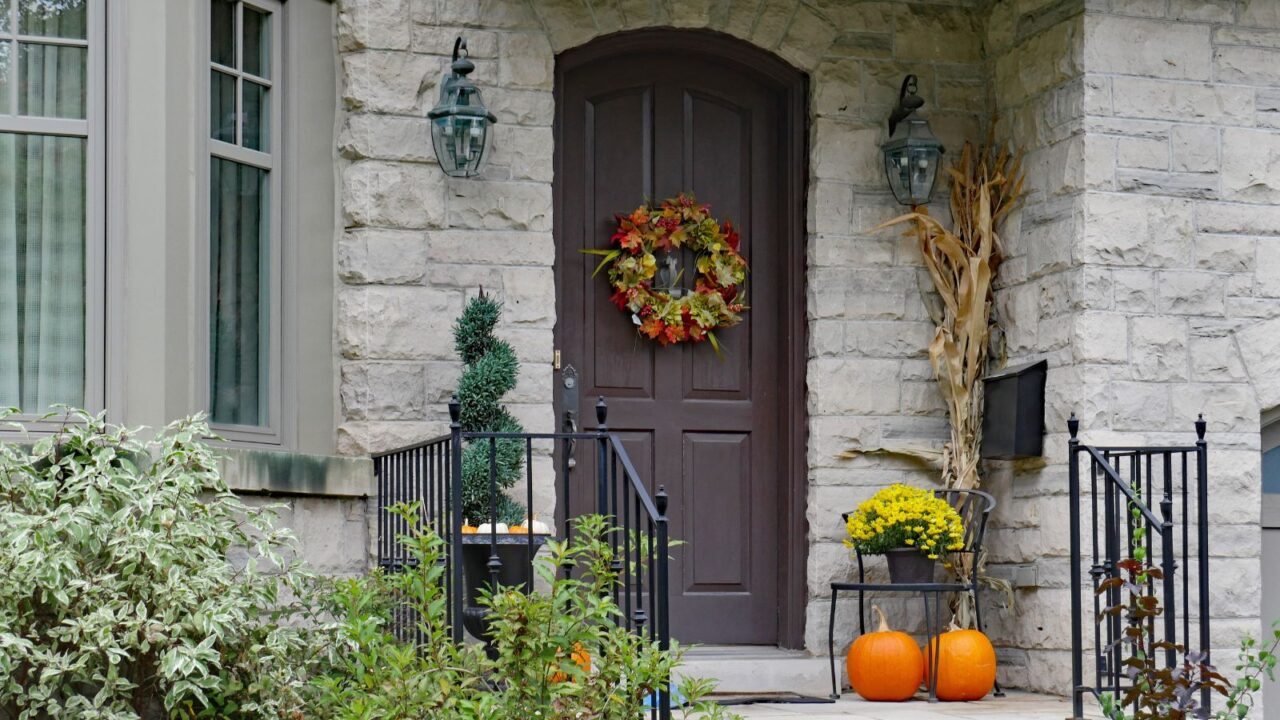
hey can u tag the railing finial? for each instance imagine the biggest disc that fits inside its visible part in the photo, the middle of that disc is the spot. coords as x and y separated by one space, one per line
1201 426
602 411
661 500
455 409
1073 426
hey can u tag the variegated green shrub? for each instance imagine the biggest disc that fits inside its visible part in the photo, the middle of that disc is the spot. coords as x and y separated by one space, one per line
118 594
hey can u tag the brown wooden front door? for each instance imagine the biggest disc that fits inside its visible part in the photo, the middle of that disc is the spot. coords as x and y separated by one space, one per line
646 116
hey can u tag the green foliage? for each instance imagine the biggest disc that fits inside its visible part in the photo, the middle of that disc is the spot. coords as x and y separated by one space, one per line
536 636
491 372
117 599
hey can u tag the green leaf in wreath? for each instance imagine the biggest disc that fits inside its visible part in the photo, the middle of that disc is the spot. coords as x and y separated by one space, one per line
715 344
609 256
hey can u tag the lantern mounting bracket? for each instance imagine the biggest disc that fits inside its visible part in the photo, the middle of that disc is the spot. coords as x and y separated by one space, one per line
908 102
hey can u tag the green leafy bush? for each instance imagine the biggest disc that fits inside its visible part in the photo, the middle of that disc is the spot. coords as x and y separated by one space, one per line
117 599
559 654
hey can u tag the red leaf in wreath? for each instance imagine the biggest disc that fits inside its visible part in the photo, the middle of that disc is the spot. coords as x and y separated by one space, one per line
696 333
731 237
729 293
619 298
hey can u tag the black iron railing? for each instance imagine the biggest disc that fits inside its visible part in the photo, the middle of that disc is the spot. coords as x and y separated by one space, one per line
430 473
1168 488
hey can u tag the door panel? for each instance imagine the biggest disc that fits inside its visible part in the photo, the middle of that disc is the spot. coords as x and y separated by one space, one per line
648 124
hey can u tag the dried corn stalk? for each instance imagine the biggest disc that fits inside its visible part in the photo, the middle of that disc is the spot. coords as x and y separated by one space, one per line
986 184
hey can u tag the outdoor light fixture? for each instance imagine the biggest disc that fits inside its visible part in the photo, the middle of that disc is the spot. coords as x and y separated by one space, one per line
460 121
912 154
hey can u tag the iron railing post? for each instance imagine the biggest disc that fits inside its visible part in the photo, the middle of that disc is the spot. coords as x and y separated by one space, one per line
455 519
602 457
1077 632
1202 532
664 620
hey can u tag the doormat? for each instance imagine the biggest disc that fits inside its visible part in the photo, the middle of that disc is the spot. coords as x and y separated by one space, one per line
781 698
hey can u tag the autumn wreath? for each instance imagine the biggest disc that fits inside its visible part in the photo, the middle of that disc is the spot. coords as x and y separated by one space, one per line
662 310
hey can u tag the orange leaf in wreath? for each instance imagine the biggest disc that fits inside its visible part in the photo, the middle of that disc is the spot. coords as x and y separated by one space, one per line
652 327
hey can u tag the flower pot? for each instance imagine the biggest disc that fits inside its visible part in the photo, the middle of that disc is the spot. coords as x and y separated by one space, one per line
513 552
909 565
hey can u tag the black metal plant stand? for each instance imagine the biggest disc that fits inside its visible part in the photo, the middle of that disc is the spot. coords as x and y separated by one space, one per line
975 508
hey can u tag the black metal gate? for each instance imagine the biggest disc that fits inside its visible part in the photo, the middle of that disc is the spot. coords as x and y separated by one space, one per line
1168 489
430 473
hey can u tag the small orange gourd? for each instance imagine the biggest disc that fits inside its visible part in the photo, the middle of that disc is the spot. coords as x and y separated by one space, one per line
518 530
467 528
581 658
968 667
886 664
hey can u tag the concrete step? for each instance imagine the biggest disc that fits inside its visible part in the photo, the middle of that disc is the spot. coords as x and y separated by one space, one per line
751 669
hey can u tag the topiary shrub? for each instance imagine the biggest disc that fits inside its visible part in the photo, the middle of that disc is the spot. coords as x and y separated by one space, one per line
117 599
490 372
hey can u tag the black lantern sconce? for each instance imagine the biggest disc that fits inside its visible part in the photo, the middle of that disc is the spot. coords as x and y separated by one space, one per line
460 122
912 154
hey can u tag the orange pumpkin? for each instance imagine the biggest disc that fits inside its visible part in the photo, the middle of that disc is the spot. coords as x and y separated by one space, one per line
968 667
885 664
518 530
469 529
581 658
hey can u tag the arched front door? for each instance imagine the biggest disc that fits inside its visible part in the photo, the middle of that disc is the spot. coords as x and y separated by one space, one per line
647 115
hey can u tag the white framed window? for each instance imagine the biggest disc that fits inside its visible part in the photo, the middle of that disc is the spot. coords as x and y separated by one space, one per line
52 203
242 373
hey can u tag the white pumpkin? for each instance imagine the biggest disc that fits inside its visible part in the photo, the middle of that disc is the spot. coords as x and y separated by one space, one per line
486 528
536 526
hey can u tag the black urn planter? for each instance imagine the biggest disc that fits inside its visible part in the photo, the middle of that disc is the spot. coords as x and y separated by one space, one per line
516 571
909 565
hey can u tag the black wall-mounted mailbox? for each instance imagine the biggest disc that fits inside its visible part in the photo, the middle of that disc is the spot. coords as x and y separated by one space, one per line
1013 420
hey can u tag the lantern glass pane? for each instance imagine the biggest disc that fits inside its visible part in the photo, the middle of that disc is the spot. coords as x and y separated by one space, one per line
924 171
460 144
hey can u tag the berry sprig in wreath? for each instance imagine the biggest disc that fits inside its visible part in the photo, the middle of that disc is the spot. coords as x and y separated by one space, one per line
666 313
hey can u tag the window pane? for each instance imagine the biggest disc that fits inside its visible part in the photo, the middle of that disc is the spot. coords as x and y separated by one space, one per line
6 67
42 271
239 302
257 42
51 80
257 117
4 15
222 107
222 33
52 18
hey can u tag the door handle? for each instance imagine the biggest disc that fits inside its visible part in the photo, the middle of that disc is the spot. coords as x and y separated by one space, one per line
569 401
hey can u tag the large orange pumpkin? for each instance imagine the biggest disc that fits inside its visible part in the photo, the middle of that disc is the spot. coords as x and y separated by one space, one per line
968 667
885 664
581 658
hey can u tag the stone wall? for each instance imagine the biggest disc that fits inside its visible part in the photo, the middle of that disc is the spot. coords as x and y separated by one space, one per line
417 245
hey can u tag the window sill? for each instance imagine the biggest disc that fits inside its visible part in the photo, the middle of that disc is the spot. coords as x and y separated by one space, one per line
267 471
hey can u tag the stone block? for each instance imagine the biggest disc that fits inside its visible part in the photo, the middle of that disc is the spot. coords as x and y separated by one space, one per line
382 25
1158 348
489 247
937 33
1190 292
386 137
1225 253
1141 97
569 23
846 153
521 107
439 40
1100 337
1251 164
1214 358
395 323
858 44
771 22
1195 149
1260 353
1147 153
1228 407
1151 182
837 87
1139 406
525 61
863 386
831 209
375 255
529 295
1247 65
1040 62
364 437
807 38
499 205
1137 230
889 339
1237 219
526 151
1213 11
383 391
390 82
399 195
1152 48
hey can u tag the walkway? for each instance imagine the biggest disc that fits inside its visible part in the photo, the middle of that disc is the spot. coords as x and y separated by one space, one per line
1016 706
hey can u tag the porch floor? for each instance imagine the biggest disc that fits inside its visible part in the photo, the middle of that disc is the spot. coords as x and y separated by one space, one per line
1015 706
